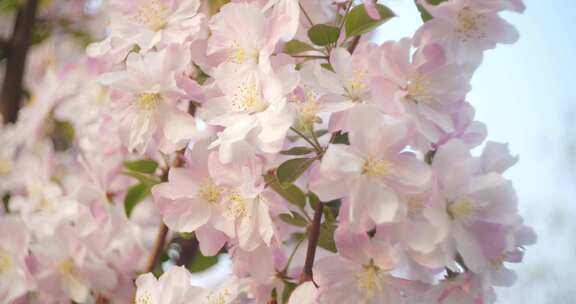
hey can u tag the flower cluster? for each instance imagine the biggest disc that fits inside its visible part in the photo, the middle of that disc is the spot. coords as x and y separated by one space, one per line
329 168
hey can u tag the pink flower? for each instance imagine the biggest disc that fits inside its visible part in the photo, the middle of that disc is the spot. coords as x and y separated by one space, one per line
360 273
150 23
172 287
15 279
252 109
423 87
482 206
372 172
147 100
243 35
65 269
465 28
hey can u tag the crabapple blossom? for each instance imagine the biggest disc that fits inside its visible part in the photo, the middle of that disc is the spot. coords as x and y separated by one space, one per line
466 28
372 172
271 137
15 279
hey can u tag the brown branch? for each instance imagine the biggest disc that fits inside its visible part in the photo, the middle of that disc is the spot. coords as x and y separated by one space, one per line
353 44
10 97
313 236
157 249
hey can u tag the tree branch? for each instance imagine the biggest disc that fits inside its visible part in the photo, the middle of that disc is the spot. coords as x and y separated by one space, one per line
17 49
157 249
313 236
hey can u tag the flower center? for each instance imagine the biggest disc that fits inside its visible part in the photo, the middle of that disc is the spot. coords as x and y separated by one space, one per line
248 99
307 109
357 85
144 298
5 261
210 192
470 24
68 268
376 167
5 167
415 206
461 209
221 297
237 54
419 90
236 204
152 14
148 101
367 279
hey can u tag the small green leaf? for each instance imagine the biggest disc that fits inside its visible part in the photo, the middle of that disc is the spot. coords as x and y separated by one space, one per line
294 219
292 193
294 47
321 133
297 151
340 138
135 195
313 200
423 12
322 34
289 171
143 178
326 237
200 262
147 166
358 22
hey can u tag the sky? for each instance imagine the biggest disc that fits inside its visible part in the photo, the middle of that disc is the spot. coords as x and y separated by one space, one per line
524 94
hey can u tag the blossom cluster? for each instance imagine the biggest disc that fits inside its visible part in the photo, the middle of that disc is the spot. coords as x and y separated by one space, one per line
329 168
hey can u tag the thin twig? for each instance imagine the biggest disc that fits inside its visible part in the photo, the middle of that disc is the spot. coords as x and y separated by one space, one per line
157 249
305 14
310 56
17 51
313 236
317 148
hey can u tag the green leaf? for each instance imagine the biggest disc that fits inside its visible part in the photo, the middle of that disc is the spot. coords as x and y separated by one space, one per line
423 12
8 5
289 171
340 138
147 179
358 22
200 262
326 237
294 47
322 34
313 200
294 219
297 151
292 193
135 195
147 166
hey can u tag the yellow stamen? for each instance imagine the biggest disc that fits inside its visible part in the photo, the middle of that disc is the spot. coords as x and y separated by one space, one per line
461 209
237 54
248 98
210 192
5 261
470 24
5 167
367 279
415 206
152 14
148 101
376 167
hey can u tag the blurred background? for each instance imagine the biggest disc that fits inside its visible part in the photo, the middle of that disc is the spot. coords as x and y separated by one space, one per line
524 93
